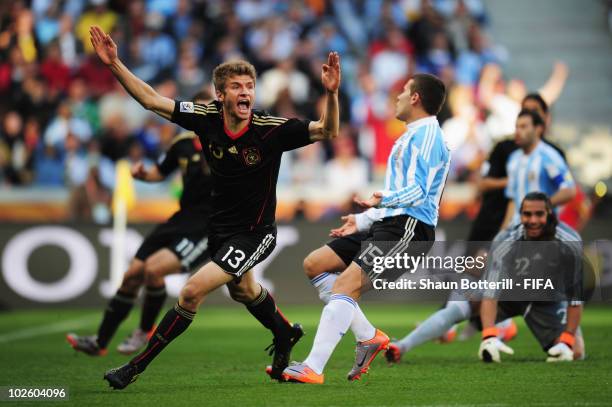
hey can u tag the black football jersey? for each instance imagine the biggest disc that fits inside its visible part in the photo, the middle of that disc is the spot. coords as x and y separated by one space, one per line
244 166
185 153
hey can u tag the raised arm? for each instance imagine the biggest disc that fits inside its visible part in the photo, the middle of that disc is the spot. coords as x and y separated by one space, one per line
553 87
327 126
106 49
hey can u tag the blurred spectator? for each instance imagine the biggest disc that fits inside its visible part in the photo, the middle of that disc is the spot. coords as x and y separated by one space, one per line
464 134
390 58
439 57
53 69
98 77
472 60
282 76
346 173
307 168
81 105
76 161
156 49
50 81
70 47
15 155
190 75
47 22
97 14
63 124
49 166
24 36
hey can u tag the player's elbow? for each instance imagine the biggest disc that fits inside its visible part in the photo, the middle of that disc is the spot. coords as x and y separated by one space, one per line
329 134
148 102
319 131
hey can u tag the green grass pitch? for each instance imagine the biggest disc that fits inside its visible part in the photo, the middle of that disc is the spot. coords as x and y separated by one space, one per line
220 361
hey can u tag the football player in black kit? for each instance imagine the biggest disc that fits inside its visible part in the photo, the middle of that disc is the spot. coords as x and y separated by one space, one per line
178 245
243 149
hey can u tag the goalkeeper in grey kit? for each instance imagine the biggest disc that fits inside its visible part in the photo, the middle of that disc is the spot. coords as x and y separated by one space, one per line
555 324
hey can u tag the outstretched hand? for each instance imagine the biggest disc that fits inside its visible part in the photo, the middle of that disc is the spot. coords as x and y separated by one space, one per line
349 227
371 202
103 44
330 72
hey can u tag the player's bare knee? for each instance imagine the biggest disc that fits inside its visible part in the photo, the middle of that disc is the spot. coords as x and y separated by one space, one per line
236 293
191 294
244 293
132 280
311 265
153 273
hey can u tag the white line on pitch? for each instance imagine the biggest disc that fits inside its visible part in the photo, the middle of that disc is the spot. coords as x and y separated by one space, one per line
63 326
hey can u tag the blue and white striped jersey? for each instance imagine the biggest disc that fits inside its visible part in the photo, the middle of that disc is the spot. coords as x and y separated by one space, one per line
416 173
543 170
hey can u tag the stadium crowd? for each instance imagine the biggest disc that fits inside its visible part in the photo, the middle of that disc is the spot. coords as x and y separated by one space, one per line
65 121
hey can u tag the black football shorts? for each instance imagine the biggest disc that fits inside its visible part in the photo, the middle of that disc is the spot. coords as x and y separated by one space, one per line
388 236
239 252
185 233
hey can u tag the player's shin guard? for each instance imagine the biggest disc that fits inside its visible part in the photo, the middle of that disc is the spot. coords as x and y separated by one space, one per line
153 302
118 308
174 323
264 309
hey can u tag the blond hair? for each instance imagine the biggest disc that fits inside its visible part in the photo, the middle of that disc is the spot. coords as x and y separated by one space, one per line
232 68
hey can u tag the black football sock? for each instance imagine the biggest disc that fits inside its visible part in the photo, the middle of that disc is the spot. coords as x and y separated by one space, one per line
153 302
117 310
174 323
267 313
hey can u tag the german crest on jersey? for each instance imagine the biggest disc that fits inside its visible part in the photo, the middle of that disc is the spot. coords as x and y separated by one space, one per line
251 155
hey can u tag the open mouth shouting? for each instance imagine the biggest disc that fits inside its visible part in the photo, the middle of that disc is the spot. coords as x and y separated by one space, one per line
244 107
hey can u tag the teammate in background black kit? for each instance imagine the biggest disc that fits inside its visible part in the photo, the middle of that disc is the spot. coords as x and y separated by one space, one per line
177 245
243 149
494 201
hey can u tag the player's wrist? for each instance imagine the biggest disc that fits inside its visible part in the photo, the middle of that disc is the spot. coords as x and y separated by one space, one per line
567 338
491 332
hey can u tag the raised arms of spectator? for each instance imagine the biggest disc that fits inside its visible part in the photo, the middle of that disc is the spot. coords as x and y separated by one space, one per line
550 91
106 49
329 123
553 87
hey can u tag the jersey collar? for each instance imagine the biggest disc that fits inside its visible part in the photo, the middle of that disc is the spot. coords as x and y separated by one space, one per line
228 132
422 122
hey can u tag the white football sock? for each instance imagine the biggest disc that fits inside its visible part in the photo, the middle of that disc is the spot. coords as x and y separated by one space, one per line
335 321
436 325
361 327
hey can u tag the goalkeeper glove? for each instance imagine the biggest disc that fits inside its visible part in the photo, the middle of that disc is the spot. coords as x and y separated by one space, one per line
562 351
491 346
